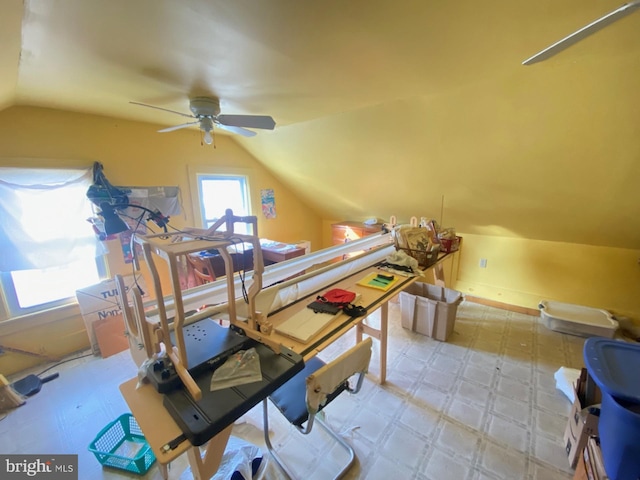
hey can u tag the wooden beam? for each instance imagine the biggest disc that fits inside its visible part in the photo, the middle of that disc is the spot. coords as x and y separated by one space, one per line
503 306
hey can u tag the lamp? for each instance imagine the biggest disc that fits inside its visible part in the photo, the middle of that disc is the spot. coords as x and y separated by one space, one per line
114 224
206 124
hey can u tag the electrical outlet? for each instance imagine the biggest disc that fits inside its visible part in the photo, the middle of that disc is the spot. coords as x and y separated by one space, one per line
483 263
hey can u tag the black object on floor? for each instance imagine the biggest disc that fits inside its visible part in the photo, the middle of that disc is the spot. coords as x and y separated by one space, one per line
31 384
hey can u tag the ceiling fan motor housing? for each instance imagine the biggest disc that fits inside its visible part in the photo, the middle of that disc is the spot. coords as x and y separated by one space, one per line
205 107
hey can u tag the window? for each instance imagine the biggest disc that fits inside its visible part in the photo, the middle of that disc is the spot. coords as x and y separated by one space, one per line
48 247
217 193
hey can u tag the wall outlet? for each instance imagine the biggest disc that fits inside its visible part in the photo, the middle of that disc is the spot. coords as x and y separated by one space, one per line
483 263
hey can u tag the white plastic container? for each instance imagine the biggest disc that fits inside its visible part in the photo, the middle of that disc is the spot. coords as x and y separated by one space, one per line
577 320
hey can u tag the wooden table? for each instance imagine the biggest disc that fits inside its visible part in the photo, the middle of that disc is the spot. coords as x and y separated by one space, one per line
275 252
242 256
160 429
371 298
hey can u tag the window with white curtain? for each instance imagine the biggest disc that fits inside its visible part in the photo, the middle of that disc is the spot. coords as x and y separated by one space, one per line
48 249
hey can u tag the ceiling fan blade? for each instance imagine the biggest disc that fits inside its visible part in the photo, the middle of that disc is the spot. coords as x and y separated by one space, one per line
238 130
178 127
249 121
585 31
163 109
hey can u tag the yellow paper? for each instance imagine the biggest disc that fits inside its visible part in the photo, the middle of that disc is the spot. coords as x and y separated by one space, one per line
369 281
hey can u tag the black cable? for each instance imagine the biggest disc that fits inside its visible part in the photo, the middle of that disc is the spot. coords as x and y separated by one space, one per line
64 361
242 271
132 246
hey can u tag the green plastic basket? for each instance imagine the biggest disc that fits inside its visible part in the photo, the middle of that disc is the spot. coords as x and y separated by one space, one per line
122 445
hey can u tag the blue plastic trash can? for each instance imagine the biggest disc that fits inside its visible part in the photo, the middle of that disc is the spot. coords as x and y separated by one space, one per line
614 367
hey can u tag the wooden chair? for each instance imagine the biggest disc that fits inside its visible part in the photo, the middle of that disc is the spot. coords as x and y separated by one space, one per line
312 389
202 271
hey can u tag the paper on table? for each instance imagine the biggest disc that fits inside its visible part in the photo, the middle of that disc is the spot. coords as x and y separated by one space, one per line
373 281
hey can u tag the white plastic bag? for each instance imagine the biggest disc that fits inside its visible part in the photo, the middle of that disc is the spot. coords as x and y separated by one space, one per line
238 457
566 380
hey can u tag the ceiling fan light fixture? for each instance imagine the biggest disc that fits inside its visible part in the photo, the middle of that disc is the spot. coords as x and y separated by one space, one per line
206 125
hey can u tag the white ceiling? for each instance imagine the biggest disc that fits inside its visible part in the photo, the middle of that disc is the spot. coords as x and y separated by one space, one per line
381 107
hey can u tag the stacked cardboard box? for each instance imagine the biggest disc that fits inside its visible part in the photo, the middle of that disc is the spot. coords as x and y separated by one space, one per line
102 315
590 464
583 419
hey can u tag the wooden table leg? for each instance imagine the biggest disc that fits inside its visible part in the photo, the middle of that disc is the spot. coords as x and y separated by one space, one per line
164 471
380 334
205 468
438 275
384 325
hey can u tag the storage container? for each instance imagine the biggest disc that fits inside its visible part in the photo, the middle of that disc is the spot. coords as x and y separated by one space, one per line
577 320
448 245
429 310
614 367
122 445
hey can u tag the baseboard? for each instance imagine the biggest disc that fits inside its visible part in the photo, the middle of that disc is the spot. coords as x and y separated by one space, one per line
503 306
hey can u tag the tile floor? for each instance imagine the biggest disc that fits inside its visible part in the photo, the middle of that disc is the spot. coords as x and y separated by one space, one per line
481 406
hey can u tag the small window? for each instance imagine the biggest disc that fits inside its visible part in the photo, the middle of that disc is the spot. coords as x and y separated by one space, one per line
217 193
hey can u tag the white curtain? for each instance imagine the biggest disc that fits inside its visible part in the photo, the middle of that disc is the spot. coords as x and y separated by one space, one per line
43 218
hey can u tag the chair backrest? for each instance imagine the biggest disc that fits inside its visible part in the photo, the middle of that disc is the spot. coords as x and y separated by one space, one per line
327 379
201 269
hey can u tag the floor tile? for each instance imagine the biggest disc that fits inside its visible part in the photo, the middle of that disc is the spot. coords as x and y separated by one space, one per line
443 465
503 463
508 434
470 415
405 446
458 440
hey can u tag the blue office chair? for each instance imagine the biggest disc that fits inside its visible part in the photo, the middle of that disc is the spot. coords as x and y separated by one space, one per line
312 389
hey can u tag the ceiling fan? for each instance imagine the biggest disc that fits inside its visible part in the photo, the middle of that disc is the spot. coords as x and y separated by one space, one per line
206 112
585 31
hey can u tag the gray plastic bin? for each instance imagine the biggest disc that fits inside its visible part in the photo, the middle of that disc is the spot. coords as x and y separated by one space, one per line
429 310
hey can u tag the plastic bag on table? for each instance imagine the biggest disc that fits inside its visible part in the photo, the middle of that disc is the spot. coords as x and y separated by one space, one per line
240 368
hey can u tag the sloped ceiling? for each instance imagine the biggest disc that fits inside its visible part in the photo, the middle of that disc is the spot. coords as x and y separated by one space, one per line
382 108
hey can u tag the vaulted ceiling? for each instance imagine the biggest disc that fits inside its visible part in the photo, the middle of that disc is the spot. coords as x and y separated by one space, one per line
382 108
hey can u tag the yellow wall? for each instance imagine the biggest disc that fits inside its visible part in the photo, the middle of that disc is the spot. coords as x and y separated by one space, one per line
519 271
523 272
132 154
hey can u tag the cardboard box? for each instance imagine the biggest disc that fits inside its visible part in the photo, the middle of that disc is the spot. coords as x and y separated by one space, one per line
98 303
581 472
583 422
111 335
429 310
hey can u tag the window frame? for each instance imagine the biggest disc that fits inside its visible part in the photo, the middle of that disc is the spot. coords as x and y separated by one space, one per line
200 171
12 304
